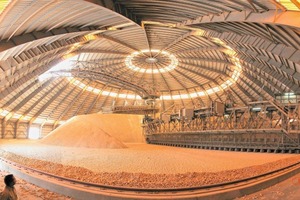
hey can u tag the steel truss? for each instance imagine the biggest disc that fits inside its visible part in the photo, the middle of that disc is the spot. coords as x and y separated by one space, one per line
273 128
144 110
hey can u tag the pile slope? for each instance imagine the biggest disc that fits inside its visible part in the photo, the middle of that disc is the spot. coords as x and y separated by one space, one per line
125 127
96 131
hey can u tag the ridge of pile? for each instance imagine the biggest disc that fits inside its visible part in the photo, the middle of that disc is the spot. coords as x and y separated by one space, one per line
87 131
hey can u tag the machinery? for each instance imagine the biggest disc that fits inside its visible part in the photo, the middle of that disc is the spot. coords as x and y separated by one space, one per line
264 126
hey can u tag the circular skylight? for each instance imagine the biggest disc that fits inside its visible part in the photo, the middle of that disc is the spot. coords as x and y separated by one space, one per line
151 61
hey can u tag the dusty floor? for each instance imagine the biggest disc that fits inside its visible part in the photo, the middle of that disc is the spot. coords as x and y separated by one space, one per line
139 165
141 158
285 190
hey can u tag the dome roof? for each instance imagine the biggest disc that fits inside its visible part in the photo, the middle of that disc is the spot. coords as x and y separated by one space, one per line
59 59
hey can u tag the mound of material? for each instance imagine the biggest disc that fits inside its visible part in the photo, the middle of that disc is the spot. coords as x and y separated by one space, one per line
125 127
86 131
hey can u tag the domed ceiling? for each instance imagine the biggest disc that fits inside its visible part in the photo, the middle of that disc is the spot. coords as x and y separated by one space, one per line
64 58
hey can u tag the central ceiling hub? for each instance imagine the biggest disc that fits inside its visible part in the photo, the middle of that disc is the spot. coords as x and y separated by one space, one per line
151 60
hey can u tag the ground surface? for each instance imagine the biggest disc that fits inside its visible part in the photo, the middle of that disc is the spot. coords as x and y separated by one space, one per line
286 190
142 165
142 158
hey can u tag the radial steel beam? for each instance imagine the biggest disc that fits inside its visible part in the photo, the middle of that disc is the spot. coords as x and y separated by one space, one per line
104 3
163 78
263 87
236 94
30 96
278 5
243 79
31 69
65 97
268 17
204 60
19 94
200 49
183 66
69 106
259 73
146 38
199 74
252 5
81 104
29 37
96 75
119 42
121 9
40 54
292 86
291 72
244 91
39 100
88 110
28 77
99 51
49 102
178 40
28 18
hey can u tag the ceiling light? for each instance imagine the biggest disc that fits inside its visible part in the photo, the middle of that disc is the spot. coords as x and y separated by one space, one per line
293 5
3 5
151 60
112 28
198 32
90 37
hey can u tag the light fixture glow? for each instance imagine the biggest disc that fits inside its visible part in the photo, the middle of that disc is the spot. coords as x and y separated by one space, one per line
209 91
193 95
34 133
90 37
4 113
4 4
184 96
173 61
112 28
67 64
293 5
256 108
200 93
198 32
122 96
16 116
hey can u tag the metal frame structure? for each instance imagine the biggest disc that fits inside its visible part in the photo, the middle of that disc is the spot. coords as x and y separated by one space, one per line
272 128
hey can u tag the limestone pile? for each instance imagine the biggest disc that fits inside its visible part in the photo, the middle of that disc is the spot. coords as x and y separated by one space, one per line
125 127
86 131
